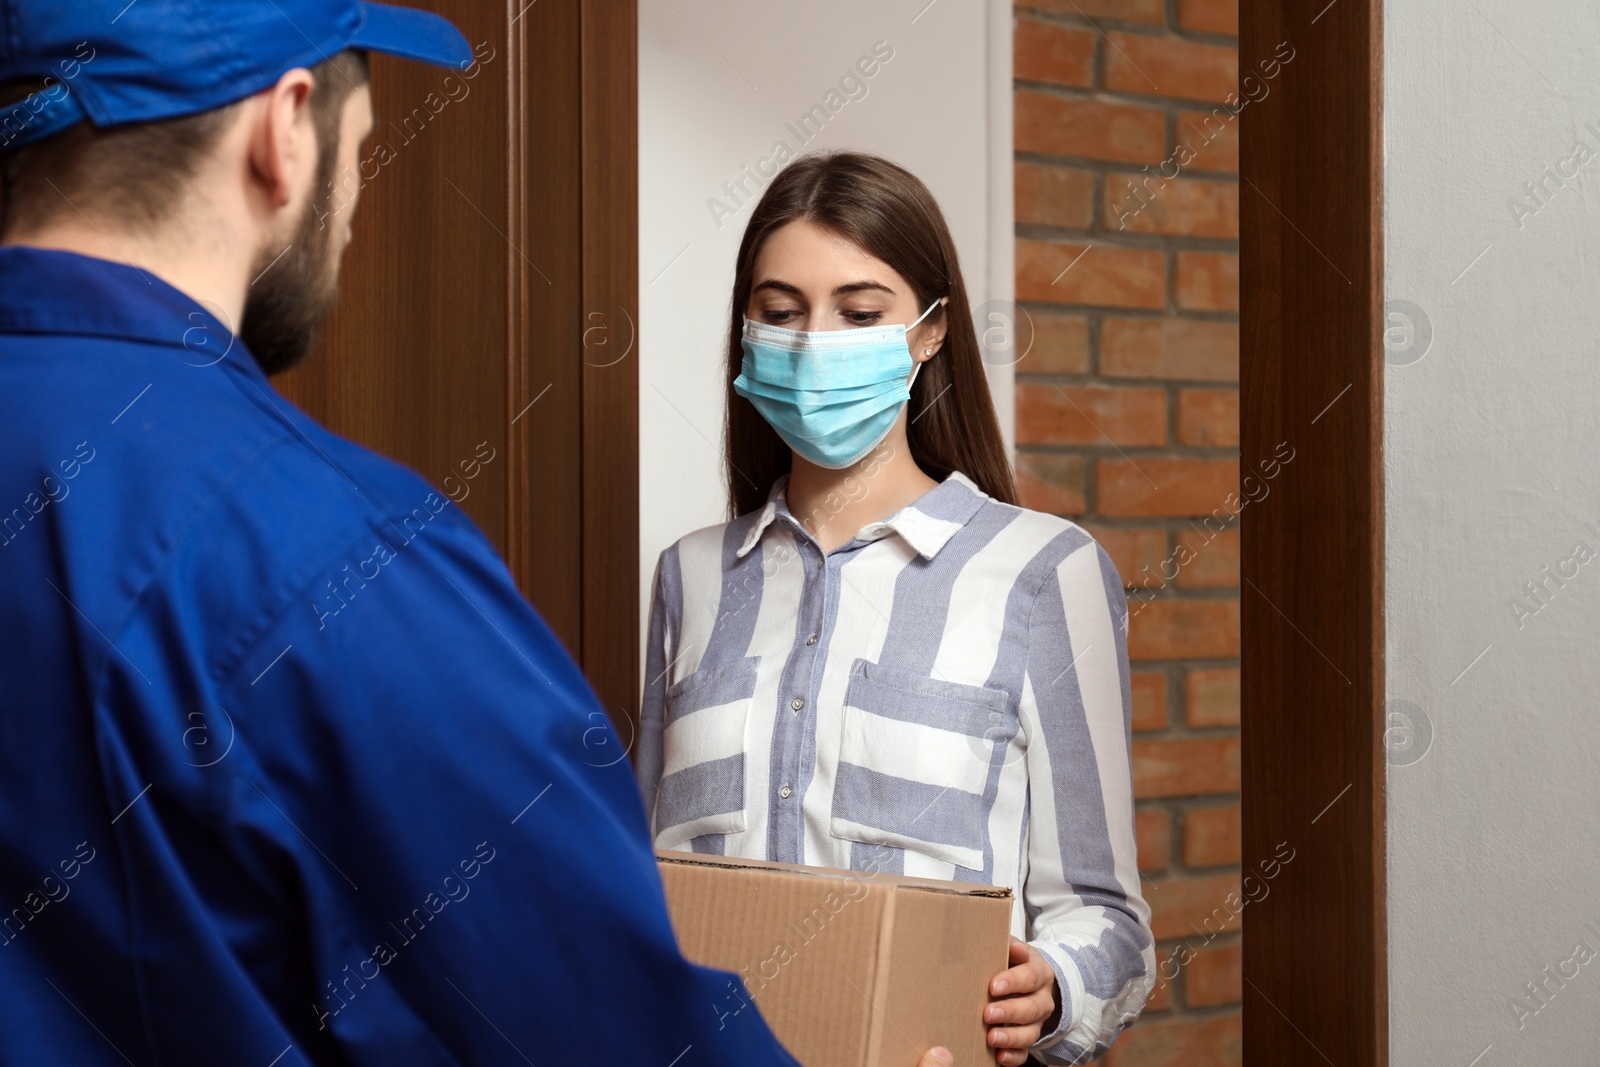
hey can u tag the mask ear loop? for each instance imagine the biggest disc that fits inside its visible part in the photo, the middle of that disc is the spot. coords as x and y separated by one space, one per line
919 318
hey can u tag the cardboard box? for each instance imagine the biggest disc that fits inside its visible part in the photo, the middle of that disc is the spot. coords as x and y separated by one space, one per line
849 968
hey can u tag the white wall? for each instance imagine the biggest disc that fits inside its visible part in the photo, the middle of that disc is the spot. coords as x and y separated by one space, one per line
1492 470
718 82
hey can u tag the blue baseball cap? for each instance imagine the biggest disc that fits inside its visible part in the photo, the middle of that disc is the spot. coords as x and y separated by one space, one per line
116 61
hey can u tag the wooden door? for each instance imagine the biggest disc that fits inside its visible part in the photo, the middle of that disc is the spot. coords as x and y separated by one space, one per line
488 307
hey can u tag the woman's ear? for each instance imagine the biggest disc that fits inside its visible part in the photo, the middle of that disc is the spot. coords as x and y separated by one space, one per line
932 336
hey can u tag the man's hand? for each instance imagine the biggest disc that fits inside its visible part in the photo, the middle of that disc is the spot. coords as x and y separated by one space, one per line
1025 1003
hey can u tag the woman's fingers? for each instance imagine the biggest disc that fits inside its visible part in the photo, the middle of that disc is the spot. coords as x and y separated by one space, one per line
1030 972
1024 1010
1019 1037
1027 998
1022 1035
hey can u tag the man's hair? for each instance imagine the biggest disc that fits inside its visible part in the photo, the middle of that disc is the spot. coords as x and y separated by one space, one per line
137 172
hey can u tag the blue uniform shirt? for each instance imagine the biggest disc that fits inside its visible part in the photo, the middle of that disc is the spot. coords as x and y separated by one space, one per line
289 771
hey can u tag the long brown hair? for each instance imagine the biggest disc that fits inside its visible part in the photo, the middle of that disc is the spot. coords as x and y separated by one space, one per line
886 211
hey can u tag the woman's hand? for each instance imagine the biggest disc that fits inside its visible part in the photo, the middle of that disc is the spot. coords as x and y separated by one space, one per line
1025 1003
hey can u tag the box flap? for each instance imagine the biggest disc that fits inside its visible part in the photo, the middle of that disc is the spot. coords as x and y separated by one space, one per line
932 885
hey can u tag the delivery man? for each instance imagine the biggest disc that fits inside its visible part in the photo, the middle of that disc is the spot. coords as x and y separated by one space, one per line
289 772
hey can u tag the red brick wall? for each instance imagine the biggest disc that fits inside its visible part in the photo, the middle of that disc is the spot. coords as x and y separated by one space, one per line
1128 422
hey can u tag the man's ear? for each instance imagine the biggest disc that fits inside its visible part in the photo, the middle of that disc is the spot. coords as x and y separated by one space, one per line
284 138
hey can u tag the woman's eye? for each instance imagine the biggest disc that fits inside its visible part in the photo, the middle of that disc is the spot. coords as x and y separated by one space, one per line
863 318
778 316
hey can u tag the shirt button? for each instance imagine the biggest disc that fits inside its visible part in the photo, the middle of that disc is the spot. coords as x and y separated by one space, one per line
811 640
784 792
797 703
821 563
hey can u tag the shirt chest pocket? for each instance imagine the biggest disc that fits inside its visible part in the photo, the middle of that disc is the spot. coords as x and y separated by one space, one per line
703 743
917 757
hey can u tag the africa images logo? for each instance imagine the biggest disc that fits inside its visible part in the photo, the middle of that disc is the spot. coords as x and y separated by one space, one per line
744 187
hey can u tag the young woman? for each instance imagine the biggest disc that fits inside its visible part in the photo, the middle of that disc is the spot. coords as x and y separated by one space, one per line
883 663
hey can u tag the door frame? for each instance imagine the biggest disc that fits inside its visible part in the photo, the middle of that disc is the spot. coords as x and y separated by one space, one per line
1312 688
573 511
1315 962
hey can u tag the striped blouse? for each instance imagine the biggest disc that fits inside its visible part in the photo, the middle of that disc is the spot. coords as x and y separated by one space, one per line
946 695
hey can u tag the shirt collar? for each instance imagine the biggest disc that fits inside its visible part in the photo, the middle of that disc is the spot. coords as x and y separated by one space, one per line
926 524
48 291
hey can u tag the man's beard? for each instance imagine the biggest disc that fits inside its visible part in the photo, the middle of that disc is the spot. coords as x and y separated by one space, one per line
290 298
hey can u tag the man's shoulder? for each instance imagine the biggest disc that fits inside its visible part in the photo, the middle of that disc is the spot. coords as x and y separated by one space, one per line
222 500
273 477
305 517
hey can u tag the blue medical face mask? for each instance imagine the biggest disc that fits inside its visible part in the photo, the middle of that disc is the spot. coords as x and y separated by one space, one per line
832 395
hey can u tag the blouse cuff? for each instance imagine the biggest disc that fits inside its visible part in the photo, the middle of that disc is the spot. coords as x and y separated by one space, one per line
1070 992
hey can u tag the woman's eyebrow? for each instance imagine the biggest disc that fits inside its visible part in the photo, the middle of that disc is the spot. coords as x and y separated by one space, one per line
856 287
848 287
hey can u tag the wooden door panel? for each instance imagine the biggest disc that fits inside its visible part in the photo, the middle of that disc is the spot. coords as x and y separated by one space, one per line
497 216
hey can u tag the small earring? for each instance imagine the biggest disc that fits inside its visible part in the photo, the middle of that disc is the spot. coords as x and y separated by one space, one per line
927 351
